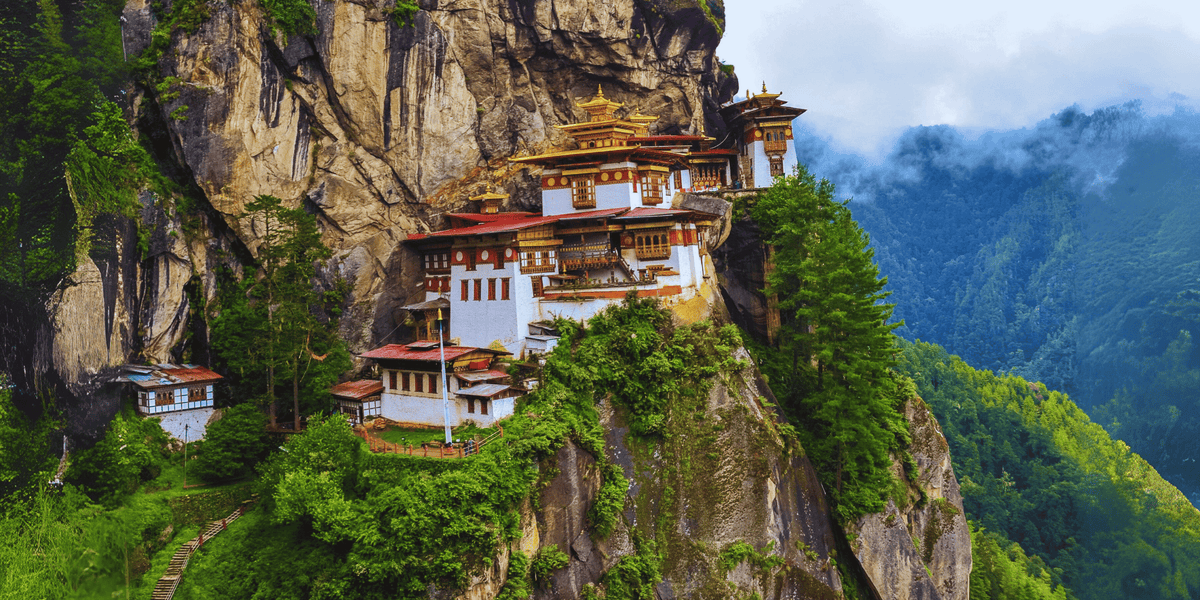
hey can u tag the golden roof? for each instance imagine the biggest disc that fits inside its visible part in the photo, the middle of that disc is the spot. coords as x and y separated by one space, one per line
489 195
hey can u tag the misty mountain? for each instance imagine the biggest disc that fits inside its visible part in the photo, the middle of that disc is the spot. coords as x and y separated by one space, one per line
1065 253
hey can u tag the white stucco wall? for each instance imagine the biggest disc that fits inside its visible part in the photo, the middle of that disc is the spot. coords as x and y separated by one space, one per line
556 202
196 420
616 195
762 165
478 323
428 411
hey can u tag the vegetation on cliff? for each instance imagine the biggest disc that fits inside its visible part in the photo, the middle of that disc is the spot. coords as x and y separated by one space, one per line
831 365
352 524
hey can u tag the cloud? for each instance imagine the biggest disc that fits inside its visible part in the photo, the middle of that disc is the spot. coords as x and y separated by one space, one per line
866 73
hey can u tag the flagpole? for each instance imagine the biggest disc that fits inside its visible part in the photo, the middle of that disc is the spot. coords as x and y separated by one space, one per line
445 394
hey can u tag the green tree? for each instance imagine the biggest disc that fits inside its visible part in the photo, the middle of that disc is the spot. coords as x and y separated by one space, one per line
834 330
278 322
233 445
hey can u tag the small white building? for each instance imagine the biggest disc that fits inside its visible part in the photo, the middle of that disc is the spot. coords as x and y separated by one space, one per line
359 400
761 127
411 378
181 396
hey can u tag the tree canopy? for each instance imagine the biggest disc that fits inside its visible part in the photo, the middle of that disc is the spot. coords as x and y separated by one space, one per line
276 329
834 341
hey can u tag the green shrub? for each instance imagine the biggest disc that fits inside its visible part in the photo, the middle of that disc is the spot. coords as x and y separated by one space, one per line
233 445
547 561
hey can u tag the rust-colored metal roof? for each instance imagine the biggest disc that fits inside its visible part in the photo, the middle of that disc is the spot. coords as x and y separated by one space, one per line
481 375
591 214
170 375
398 352
357 390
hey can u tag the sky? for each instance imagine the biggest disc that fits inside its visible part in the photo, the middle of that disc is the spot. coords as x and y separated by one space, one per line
868 69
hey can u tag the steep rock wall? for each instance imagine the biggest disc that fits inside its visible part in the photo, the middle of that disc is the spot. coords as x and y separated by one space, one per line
379 128
721 475
922 550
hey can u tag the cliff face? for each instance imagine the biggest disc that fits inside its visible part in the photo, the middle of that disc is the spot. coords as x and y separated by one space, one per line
379 128
921 550
722 475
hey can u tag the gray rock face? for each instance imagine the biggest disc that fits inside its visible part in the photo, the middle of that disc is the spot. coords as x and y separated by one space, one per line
921 551
726 478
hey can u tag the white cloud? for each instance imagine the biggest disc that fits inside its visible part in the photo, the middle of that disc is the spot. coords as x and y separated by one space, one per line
868 70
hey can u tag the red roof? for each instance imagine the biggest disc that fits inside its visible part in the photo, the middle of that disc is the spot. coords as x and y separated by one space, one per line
191 374
497 226
398 352
714 152
357 390
516 221
591 214
643 213
489 217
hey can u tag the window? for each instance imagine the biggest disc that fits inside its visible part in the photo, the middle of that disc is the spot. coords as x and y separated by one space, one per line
470 405
652 245
464 289
438 261
483 406
500 257
491 289
775 141
419 380
478 290
470 260
433 384
403 381
583 192
776 166
652 189
391 380
504 288
679 180
537 287
444 286
538 262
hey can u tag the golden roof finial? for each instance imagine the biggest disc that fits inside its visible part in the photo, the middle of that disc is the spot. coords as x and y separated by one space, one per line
764 87
599 91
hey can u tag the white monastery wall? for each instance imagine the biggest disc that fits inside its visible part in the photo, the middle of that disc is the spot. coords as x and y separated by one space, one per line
616 195
556 202
195 419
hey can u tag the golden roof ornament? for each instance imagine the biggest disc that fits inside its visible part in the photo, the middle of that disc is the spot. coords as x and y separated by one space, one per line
491 201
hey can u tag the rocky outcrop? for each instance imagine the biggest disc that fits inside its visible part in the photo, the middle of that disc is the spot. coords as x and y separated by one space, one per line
921 550
379 127
722 475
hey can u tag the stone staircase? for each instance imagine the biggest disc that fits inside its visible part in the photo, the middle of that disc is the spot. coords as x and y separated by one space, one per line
165 588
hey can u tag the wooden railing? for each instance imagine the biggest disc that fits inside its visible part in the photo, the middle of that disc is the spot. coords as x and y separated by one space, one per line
165 588
461 450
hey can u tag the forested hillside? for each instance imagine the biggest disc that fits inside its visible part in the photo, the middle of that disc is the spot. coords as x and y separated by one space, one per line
1067 254
1035 470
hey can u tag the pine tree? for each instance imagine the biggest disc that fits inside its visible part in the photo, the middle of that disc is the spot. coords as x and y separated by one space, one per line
275 324
834 329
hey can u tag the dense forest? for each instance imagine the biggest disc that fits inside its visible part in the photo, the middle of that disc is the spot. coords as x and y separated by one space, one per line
1046 485
1066 254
